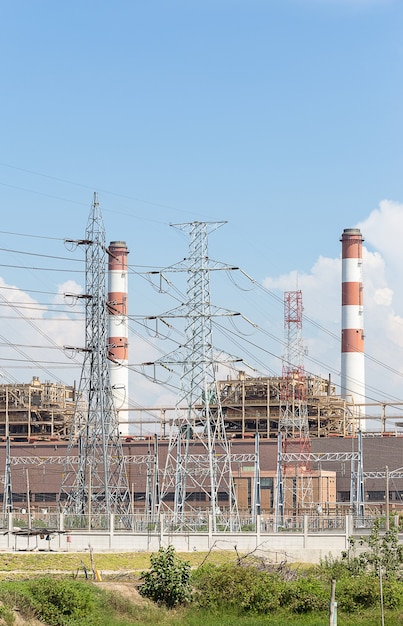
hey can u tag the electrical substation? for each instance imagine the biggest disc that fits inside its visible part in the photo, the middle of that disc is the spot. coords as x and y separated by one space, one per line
275 446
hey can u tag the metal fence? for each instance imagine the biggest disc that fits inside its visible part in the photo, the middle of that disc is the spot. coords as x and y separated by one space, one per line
194 523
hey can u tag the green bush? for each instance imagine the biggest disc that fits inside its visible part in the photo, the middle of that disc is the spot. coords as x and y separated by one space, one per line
237 589
383 550
333 568
304 595
392 594
105 608
59 602
357 592
168 581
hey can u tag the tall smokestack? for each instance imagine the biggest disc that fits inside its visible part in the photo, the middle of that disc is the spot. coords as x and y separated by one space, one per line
118 330
352 324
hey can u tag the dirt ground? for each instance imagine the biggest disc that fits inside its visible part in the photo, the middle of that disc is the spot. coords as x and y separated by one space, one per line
19 621
126 589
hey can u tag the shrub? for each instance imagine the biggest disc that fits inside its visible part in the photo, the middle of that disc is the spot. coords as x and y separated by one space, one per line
304 595
379 551
383 551
392 594
357 592
59 602
237 589
333 568
168 580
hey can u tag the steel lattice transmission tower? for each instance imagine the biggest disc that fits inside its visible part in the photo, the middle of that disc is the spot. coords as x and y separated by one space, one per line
198 458
294 482
95 480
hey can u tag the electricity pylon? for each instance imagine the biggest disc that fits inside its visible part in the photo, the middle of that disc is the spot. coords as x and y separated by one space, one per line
198 463
95 479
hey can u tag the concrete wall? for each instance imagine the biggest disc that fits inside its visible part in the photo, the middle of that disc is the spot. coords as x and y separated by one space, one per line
307 547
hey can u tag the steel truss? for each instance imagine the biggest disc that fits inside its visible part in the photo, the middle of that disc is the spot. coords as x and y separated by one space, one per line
293 473
198 458
97 483
357 499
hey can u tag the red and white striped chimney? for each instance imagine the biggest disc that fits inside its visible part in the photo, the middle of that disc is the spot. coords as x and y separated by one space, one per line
118 342
352 324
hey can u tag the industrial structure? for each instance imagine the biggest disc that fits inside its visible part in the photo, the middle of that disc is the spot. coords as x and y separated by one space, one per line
36 410
287 444
44 410
198 458
95 478
118 340
255 404
293 427
334 478
352 380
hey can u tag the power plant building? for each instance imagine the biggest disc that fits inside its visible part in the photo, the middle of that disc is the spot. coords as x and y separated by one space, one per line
36 411
253 405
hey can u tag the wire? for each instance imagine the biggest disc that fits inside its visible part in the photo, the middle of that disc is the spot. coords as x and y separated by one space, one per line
111 193
322 328
7 232
19 289
47 256
41 269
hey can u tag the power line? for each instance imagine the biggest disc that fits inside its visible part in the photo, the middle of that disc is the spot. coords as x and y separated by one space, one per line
47 256
41 269
84 186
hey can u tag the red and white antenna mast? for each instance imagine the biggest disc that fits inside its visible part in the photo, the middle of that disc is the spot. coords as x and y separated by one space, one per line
294 479
294 420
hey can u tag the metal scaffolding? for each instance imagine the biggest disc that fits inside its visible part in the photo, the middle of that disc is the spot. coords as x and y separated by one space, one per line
198 462
293 424
97 483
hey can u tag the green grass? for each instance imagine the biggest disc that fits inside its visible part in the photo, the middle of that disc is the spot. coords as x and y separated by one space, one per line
196 618
193 618
126 562
110 608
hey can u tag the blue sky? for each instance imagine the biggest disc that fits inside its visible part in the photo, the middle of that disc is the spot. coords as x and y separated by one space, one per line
280 117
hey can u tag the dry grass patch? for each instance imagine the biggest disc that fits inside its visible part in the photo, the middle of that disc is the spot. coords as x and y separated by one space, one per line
109 564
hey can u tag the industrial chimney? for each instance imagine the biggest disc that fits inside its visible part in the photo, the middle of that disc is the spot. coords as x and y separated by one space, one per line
118 330
352 325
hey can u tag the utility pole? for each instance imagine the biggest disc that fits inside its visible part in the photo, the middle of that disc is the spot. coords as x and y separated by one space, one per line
8 491
256 504
98 482
28 490
387 498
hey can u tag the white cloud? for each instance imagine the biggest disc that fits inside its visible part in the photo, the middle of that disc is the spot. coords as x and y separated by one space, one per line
383 303
383 231
33 336
383 296
66 291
